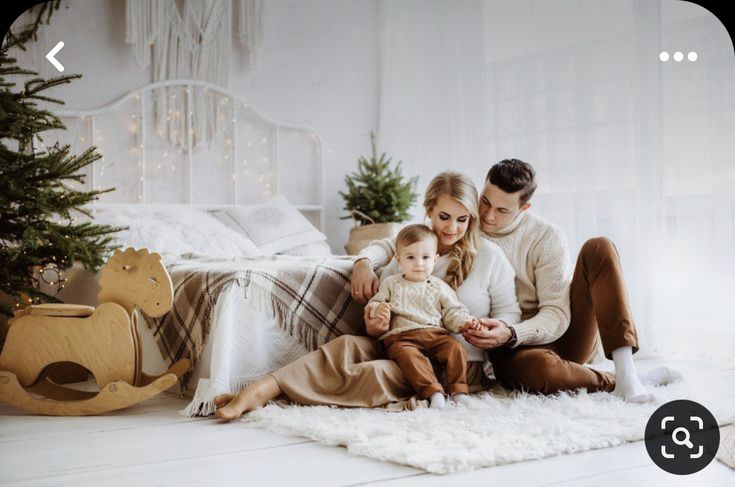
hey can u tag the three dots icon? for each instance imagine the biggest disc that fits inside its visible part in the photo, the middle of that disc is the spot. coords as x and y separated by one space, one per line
678 56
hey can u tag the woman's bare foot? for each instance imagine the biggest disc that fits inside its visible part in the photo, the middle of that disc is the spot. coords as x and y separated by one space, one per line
222 400
253 396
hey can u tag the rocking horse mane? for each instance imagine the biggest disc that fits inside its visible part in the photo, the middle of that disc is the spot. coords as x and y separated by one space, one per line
136 278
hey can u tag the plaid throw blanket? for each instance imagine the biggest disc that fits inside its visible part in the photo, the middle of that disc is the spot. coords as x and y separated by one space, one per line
309 297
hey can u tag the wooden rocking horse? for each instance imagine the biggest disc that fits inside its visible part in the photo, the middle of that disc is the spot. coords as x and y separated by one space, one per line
104 340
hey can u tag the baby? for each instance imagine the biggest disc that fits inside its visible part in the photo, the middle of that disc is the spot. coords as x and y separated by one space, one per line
413 306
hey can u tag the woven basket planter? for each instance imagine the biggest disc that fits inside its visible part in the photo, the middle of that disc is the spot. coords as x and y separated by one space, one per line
360 237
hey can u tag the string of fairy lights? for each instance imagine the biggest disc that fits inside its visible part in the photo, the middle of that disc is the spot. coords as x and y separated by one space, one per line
249 164
46 275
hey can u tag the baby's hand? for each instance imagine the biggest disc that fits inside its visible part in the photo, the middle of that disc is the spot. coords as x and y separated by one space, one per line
471 324
383 312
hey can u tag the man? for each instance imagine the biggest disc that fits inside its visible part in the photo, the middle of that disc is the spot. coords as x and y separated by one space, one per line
562 310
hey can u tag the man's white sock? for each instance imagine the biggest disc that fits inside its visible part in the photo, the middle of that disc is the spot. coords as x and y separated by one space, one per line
660 376
627 383
623 359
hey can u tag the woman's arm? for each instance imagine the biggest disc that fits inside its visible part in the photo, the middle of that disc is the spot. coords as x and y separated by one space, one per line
504 307
454 313
379 252
503 300
364 283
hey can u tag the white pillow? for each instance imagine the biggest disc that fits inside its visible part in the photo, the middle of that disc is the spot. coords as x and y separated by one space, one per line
314 249
176 230
275 226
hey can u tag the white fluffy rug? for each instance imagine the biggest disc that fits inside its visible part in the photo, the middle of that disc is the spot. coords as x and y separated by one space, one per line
494 429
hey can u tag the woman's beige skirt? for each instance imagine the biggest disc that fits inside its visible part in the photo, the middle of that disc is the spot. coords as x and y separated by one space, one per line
352 371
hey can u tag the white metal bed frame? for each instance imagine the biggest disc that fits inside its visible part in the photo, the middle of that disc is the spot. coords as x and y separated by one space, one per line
236 102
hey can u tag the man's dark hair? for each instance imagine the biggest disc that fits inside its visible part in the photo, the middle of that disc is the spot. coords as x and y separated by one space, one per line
513 175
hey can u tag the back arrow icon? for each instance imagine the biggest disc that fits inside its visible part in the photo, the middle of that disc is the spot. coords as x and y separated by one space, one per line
52 53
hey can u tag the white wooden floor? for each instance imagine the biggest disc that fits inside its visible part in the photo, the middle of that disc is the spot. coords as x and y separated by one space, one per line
150 444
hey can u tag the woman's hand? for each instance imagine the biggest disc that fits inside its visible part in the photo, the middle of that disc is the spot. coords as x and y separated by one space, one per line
364 284
378 325
494 334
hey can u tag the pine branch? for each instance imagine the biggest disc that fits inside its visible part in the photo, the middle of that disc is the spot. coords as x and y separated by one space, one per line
29 32
36 85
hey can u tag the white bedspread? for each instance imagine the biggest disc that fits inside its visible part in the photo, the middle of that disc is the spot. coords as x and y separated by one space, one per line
246 345
243 346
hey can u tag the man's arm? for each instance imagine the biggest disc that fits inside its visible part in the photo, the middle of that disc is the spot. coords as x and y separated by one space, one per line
552 270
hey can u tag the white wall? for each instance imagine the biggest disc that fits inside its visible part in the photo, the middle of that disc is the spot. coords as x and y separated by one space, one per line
317 66
624 145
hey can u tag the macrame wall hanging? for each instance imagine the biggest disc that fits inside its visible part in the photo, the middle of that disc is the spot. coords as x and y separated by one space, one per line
190 39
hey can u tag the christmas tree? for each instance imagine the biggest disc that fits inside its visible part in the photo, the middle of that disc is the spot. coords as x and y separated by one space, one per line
38 232
377 192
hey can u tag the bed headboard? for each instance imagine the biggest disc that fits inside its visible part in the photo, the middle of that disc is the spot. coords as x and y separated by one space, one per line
155 150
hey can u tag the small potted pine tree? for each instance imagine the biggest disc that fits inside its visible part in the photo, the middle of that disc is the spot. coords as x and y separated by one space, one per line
378 199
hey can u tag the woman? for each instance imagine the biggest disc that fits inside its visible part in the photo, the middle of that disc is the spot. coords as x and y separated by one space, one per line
352 370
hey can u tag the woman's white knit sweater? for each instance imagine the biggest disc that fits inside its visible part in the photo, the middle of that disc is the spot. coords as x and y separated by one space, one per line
538 252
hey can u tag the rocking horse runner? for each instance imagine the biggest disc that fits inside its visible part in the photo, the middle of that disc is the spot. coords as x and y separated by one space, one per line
103 340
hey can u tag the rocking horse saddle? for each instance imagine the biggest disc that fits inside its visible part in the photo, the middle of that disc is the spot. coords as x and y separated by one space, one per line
61 309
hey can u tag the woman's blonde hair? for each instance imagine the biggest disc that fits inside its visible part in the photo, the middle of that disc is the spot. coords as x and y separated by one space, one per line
460 188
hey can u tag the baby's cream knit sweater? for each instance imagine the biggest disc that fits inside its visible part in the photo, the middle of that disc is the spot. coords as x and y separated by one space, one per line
423 304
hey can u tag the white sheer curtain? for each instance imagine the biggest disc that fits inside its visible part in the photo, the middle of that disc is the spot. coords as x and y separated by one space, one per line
625 145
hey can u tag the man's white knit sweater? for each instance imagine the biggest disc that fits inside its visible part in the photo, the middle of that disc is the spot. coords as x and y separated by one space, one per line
538 251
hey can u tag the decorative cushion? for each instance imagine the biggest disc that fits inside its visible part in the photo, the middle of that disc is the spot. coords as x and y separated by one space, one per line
274 226
314 249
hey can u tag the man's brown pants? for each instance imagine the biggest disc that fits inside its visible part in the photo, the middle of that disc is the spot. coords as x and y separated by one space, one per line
599 301
415 351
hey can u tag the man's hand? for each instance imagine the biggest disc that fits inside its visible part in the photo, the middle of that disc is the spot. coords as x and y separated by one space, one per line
493 334
378 325
364 284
